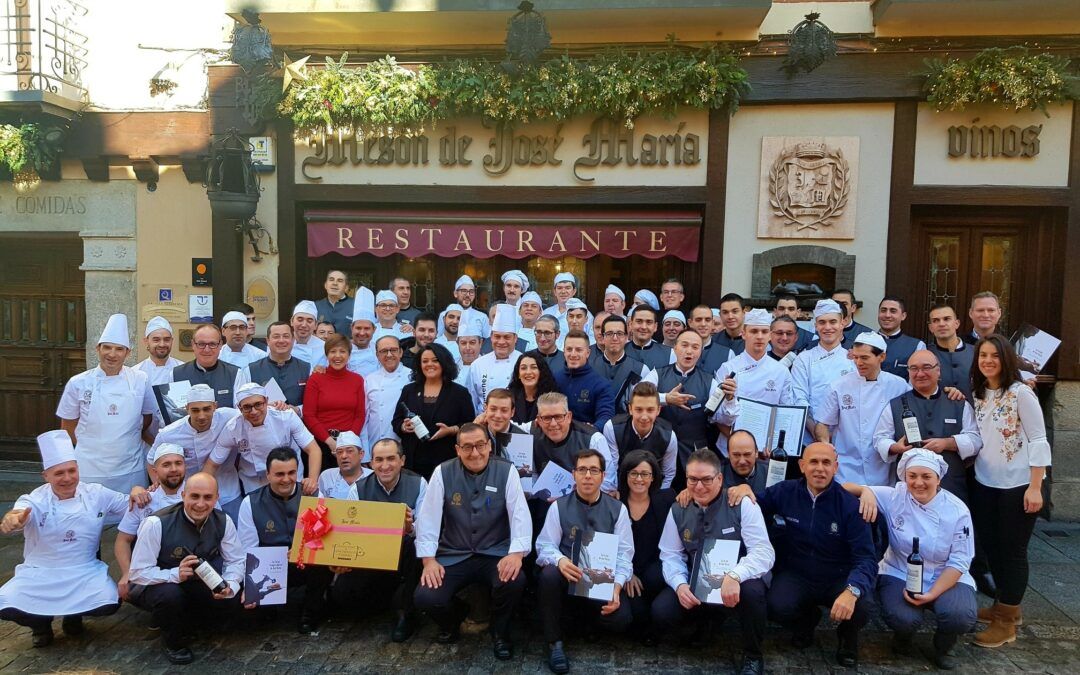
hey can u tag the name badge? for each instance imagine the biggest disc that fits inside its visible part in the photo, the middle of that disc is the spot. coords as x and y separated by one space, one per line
491 488
223 391
949 421
728 530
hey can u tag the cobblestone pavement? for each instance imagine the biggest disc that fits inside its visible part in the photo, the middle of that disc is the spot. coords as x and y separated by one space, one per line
1049 641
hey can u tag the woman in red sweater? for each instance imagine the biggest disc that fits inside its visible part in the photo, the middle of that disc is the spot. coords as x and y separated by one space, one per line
334 400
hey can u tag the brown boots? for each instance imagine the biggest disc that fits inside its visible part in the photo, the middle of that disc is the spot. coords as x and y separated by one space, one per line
1002 629
986 615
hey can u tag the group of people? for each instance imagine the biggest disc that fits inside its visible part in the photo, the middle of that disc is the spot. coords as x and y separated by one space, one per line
938 448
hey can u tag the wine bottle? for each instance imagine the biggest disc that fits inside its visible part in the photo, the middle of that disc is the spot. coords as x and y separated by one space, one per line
911 424
713 404
914 569
419 428
210 577
778 462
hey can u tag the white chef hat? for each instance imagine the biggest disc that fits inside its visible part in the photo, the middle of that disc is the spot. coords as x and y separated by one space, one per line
56 448
576 303
531 296
873 339
676 315
453 307
924 458
612 289
648 297
116 331
565 276
757 317
348 438
157 323
248 390
233 316
519 276
463 280
364 305
385 296
505 319
827 306
201 393
305 307
166 449
469 328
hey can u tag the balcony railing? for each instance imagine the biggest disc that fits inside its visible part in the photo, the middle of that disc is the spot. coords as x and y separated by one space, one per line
42 52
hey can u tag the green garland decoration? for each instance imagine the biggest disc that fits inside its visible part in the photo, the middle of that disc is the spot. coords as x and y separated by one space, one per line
385 97
26 145
1012 78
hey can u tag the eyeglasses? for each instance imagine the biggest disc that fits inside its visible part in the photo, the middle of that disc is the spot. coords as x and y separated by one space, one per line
467 291
922 369
252 406
642 475
544 333
474 447
615 334
549 419
588 471
206 345
670 292
388 351
704 481
386 305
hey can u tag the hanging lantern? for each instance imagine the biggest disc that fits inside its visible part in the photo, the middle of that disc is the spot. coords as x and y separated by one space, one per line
527 37
810 43
232 186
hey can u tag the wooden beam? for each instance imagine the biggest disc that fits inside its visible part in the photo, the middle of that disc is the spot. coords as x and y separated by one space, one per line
902 253
990 195
848 78
146 170
292 250
194 168
96 168
492 194
139 134
1069 352
711 262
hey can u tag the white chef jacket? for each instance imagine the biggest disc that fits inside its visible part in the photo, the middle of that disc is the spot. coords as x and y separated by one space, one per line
156 375
671 454
197 448
242 358
529 336
814 371
313 351
757 562
333 486
943 526
547 542
144 568
852 408
110 412
253 444
159 499
382 390
394 330
968 441
429 522
463 374
451 346
60 573
489 372
764 380
363 362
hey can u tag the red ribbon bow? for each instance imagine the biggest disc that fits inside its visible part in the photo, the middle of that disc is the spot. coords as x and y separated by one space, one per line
316 524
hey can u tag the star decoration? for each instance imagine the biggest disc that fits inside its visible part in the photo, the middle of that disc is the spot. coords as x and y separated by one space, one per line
292 70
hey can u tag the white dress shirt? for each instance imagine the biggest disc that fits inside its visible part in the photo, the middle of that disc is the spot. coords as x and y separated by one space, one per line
968 441
144 568
671 455
332 485
814 371
757 562
252 444
197 447
547 542
382 390
490 372
429 522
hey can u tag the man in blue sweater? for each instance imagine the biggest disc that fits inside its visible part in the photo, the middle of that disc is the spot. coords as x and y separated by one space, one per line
588 393
825 553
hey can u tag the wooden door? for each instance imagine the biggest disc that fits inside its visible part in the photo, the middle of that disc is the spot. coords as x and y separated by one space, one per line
42 335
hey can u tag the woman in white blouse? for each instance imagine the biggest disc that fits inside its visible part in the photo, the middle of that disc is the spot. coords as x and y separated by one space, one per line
1009 472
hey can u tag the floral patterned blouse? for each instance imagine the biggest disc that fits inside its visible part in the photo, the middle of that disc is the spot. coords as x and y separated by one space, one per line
1014 437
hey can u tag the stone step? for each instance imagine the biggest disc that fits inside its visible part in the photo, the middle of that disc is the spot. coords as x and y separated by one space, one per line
1066 497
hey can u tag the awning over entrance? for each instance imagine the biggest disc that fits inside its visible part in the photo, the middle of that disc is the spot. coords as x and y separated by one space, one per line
618 233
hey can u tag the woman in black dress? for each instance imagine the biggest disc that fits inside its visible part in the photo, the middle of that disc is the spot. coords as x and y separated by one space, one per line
441 403
531 379
648 506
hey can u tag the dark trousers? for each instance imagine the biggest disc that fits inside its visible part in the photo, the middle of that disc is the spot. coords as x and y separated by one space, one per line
980 564
668 614
316 581
440 604
553 598
794 602
955 610
40 623
652 583
1004 529
179 606
361 590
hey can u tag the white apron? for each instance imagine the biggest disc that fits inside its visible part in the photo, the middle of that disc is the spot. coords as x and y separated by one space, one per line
61 575
110 432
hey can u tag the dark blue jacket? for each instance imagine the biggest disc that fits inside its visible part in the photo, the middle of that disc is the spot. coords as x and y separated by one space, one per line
820 540
588 394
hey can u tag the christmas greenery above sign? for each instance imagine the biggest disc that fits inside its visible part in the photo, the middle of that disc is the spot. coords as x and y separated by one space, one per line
620 84
1012 78
27 147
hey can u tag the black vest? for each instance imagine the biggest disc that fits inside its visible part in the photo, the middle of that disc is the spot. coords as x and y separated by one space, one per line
713 355
853 331
564 454
274 517
405 492
474 517
654 355
955 367
900 347
716 521
180 538
623 376
690 426
220 378
932 414
291 377
627 440
755 480
576 518
735 345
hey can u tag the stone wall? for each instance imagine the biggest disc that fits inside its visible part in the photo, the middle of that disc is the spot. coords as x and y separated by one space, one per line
1066 422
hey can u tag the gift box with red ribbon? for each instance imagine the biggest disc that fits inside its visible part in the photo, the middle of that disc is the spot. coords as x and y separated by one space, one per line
347 533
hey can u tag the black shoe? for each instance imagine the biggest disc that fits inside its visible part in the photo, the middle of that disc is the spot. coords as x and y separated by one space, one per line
449 637
404 628
901 644
73 626
180 657
42 637
503 650
802 639
985 584
752 665
557 661
941 655
152 624
847 658
308 624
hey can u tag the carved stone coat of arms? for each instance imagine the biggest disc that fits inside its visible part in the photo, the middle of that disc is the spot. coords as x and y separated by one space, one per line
808 187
